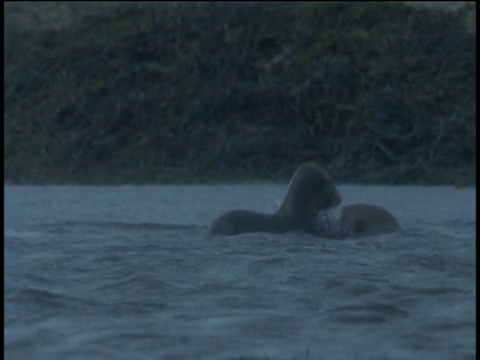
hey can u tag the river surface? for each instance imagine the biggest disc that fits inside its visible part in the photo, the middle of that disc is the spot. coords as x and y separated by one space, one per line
129 272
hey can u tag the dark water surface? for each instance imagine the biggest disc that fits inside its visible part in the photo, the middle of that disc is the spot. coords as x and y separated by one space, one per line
129 273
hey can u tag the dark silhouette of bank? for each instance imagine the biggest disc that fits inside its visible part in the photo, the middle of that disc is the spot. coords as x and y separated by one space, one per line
378 92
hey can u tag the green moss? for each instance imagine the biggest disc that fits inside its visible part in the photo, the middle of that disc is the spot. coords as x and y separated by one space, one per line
378 92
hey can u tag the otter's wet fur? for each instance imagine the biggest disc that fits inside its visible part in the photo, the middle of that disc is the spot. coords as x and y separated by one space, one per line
310 191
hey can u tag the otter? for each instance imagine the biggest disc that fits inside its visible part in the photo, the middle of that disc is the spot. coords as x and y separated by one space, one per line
365 219
357 220
311 190
311 193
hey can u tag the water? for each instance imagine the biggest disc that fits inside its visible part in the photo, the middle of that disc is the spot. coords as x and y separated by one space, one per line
130 273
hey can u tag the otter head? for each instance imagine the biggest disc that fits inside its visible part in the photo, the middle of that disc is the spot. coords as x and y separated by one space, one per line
310 191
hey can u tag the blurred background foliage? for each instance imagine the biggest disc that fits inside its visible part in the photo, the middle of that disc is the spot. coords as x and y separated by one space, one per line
194 92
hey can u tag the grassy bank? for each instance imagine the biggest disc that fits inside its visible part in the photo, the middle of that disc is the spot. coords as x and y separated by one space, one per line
376 92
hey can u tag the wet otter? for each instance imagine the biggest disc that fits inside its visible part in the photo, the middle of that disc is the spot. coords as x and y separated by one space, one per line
357 220
364 219
310 191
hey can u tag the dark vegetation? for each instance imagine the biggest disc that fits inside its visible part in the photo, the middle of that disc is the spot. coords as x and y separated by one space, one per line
376 92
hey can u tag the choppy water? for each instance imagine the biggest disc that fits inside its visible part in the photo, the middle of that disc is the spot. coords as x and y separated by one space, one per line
129 273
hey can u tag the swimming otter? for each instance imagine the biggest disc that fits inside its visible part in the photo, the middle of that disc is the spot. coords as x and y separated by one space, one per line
364 219
357 220
310 191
